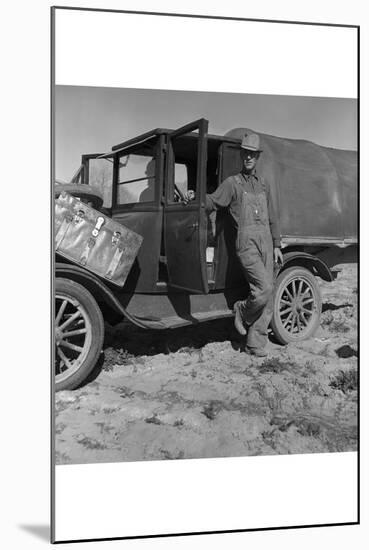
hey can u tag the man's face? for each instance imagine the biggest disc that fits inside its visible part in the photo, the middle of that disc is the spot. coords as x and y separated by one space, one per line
249 159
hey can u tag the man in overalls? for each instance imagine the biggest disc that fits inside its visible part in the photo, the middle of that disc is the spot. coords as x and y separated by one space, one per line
247 196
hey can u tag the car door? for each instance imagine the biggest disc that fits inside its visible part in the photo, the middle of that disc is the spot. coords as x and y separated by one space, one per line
137 204
185 225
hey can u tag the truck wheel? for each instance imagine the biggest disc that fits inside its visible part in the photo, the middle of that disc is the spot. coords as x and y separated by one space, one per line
79 334
87 193
297 305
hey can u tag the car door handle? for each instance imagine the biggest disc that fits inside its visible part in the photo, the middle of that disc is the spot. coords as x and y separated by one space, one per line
193 225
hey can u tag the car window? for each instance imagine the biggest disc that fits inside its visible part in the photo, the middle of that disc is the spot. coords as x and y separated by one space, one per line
136 179
101 176
181 177
182 167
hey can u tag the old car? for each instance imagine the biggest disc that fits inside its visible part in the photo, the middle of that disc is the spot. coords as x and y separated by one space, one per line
186 270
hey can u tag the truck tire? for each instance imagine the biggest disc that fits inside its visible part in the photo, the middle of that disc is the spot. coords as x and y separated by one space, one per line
79 334
297 305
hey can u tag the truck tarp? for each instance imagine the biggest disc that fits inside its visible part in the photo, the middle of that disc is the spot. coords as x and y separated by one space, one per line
314 188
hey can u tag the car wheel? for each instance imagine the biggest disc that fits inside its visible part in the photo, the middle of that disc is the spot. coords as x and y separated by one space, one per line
86 193
297 305
79 334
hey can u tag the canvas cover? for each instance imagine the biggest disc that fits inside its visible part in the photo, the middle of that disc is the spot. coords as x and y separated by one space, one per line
315 188
90 239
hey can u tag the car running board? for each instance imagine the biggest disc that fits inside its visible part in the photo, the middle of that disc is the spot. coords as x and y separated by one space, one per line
175 321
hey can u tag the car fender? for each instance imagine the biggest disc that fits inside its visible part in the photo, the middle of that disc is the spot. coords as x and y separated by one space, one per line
97 288
302 259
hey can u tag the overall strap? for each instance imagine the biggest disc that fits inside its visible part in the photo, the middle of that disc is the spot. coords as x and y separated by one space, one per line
263 185
239 180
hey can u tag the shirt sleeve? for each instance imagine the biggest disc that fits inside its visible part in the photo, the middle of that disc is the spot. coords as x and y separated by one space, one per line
273 219
222 196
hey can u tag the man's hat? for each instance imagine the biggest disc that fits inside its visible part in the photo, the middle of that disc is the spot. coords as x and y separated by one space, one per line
251 142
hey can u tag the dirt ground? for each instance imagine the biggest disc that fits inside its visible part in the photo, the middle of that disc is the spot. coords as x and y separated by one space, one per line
195 393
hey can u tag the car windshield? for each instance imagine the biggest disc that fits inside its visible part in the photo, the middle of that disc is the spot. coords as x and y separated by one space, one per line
101 176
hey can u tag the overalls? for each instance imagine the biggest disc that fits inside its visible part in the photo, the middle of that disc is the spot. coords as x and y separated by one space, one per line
254 248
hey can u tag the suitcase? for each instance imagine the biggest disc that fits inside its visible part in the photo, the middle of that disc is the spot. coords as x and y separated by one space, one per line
90 239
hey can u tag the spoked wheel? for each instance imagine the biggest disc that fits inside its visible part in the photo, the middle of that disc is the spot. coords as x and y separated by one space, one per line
297 305
79 334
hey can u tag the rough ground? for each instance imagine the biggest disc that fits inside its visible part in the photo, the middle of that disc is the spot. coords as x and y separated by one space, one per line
197 394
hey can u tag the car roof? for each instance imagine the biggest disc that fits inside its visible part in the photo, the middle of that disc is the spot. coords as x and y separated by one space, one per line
142 138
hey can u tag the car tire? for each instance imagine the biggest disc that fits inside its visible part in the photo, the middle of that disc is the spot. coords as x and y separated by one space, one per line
297 305
86 193
79 334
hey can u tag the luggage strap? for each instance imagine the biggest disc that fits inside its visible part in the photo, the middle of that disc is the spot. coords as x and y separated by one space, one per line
92 240
86 251
114 262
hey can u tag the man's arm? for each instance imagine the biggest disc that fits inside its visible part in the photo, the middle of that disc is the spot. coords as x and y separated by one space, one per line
221 197
273 219
274 227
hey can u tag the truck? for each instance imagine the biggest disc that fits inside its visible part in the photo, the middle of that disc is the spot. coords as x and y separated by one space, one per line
186 270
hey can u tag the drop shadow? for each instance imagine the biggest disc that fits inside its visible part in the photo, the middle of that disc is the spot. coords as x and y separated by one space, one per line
274 340
346 351
182 305
333 307
40 531
238 344
137 342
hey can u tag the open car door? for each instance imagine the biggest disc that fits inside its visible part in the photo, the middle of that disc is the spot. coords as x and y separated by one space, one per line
185 225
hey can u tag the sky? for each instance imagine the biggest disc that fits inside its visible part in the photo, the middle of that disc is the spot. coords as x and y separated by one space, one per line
92 119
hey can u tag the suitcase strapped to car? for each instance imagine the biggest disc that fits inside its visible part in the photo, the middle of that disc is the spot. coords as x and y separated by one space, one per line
88 238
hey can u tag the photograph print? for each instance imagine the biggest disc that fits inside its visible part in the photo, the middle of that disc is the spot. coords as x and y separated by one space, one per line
205 275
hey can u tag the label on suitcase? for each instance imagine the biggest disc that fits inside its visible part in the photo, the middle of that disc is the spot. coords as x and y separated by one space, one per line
91 239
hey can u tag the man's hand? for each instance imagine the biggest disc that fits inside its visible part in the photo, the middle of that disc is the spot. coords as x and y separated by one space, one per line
278 256
188 196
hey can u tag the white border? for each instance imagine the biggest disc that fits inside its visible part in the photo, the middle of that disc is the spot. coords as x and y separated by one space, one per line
183 53
186 496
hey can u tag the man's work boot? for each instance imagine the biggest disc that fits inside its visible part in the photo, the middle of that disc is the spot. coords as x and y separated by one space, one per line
258 352
238 322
